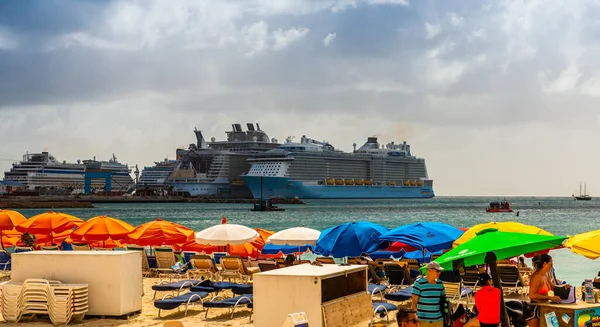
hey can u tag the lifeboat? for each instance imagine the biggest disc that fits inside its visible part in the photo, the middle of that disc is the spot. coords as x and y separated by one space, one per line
390 183
348 181
413 183
368 182
503 206
339 182
330 181
358 182
406 183
420 183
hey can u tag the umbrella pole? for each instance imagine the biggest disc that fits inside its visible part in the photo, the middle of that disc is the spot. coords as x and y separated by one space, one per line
490 259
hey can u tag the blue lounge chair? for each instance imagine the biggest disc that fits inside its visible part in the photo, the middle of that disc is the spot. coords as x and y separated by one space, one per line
4 261
382 309
234 302
374 289
178 286
170 302
402 295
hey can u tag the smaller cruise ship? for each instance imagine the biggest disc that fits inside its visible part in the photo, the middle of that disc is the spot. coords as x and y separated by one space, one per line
42 171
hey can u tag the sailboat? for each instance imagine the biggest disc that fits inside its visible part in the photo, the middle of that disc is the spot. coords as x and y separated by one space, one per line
584 196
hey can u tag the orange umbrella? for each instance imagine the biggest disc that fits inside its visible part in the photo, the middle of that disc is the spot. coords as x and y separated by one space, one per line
253 248
52 238
48 222
11 238
159 232
10 218
102 228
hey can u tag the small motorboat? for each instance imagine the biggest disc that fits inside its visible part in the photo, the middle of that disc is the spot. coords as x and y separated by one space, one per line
503 206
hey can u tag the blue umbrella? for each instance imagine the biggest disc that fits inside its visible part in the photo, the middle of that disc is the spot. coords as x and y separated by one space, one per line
386 254
419 255
285 249
349 239
426 236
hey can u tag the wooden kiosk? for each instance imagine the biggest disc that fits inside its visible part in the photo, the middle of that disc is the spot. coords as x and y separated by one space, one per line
330 295
579 314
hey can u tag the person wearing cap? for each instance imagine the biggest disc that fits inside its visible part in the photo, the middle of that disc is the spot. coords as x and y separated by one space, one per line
487 302
427 295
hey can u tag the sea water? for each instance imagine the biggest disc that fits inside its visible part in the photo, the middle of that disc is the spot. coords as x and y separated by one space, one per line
560 216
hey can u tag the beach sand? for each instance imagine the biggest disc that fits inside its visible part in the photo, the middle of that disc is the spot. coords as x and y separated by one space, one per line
149 315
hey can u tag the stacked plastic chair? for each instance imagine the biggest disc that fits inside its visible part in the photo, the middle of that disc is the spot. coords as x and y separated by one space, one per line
61 302
11 302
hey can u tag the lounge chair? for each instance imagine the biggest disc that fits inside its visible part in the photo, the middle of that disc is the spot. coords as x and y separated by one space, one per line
178 286
266 265
19 249
470 278
4 261
376 289
233 267
80 247
397 275
203 266
399 296
208 286
511 278
170 302
50 248
455 292
382 309
165 259
244 298
218 255
145 266
325 260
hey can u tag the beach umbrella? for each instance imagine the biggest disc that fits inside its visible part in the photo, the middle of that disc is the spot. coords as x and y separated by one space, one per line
251 249
226 234
270 248
503 226
159 232
8 220
102 228
490 245
349 239
299 236
430 236
585 244
49 224
420 256
398 246
10 238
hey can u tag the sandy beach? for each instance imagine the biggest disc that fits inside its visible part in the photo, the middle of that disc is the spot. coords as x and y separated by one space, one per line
149 315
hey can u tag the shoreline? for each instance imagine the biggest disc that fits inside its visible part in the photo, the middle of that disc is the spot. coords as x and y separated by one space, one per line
49 202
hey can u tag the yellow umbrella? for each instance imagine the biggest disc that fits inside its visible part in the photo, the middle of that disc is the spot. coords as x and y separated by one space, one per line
503 226
586 244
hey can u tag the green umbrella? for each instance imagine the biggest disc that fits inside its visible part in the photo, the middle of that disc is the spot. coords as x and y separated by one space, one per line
491 245
503 244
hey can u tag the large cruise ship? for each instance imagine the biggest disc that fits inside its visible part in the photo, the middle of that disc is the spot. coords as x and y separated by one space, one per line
316 170
215 167
42 171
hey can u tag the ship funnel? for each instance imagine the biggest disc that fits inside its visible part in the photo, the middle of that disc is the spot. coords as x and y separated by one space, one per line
257 127
237 127
354 146
250 127
201 144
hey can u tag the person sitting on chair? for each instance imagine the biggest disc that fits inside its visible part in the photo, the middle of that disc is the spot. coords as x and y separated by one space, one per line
28 239
487 302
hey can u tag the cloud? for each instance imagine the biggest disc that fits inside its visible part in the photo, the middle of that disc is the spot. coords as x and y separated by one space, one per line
455 79
389 2
432 30
455 19
329 38
283 39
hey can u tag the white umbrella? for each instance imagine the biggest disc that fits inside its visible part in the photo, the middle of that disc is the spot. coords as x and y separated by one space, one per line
295 236
226 234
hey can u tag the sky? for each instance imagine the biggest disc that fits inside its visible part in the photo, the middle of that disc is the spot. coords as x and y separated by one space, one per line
499 96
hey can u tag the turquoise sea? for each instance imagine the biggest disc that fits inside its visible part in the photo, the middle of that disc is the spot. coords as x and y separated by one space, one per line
560 216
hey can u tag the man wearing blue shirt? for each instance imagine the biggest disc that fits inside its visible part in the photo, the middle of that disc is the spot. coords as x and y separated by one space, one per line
427 294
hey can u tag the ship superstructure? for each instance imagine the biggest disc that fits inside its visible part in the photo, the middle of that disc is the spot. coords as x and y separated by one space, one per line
214 167
311 169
